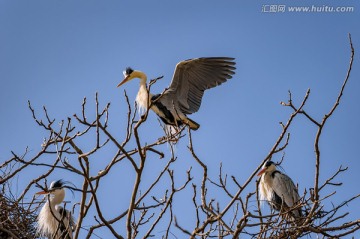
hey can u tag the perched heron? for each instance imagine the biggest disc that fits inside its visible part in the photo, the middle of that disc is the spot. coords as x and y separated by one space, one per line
54 221
278 190
191 78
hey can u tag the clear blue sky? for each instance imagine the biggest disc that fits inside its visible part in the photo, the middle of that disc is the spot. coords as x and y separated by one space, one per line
54 53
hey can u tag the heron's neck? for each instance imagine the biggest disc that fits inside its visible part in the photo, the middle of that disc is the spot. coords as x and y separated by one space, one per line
268 179
57 198
141 76
142 98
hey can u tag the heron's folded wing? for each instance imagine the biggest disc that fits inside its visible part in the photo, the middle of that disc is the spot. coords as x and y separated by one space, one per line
284 187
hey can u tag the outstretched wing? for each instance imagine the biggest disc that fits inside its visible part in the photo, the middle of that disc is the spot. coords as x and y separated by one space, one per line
192 77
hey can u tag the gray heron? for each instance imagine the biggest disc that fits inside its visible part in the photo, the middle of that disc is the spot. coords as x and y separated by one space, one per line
183 97
278 190
53 220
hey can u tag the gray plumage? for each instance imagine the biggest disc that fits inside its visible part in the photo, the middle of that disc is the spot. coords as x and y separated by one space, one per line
192 77
278 189
184 95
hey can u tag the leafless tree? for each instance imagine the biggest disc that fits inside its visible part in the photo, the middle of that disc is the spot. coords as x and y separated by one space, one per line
63 151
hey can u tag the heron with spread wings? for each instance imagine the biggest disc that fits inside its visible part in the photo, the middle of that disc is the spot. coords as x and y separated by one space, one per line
183 97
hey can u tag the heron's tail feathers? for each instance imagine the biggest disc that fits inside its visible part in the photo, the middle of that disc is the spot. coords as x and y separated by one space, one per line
192 124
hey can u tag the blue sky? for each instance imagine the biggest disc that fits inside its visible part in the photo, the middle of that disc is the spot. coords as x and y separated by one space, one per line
55 53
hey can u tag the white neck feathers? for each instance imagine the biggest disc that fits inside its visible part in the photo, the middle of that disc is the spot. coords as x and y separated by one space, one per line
142 98
141 76
58 197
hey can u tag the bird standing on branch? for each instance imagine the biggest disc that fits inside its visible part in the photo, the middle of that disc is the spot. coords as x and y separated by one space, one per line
278 190
54 221
191 78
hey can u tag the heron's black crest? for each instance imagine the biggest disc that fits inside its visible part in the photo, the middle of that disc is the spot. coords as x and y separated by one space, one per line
57 184
268 163
128 70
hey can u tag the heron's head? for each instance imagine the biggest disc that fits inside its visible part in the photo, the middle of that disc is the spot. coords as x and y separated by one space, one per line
269 166
56 189
130 74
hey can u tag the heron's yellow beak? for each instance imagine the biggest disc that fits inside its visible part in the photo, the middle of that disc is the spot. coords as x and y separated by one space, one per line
261 171
42 192
126 79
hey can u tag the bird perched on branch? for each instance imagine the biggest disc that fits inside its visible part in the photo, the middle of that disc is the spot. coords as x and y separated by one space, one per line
54 221
191 78
278 190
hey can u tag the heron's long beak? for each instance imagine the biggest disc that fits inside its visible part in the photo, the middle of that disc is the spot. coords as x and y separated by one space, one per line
126 79
42 192
261 172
